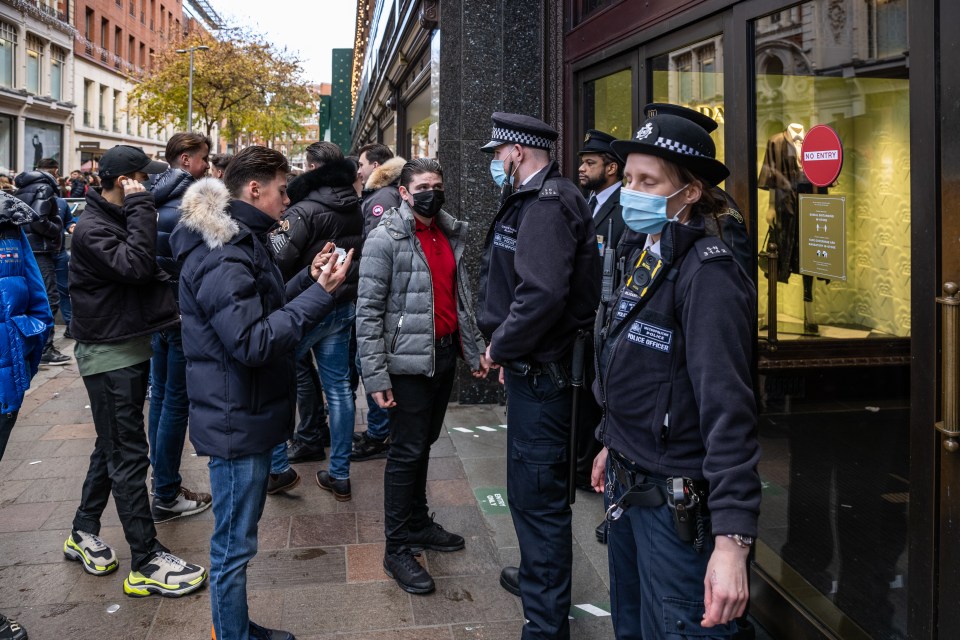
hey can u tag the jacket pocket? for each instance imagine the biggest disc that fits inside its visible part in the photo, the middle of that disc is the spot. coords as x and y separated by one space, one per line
396 336
28 325
681 619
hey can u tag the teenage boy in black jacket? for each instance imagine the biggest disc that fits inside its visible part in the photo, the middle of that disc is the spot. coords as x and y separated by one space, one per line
120 298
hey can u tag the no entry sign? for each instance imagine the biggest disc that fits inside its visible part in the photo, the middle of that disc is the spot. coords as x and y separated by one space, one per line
822 155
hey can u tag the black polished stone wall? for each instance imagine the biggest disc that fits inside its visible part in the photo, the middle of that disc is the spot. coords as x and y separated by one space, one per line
495 55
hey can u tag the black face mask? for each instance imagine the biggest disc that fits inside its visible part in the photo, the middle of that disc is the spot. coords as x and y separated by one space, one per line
428 203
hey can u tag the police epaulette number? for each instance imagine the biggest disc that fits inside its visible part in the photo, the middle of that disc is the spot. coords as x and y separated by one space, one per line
550 190
709 249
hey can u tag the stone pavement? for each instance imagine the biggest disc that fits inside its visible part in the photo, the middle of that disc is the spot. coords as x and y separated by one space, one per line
318 573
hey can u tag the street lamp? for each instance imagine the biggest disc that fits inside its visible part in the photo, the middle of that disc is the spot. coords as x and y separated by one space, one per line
201 47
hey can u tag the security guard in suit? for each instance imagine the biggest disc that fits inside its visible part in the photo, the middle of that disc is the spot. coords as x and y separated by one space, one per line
539 288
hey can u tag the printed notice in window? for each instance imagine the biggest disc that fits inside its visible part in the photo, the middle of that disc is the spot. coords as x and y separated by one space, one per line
823 241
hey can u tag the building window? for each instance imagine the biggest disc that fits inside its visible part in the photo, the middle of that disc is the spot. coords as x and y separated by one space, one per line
88 24
87 91
608 104
8 54
43 140
116 112
131 49
34 64
143 55
8 127
422 125
117 40
104 33
58 61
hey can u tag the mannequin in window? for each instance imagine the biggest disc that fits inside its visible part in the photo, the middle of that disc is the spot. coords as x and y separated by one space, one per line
782 175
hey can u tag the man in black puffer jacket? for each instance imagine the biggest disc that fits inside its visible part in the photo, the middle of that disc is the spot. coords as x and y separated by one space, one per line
325 209
39 189
187 154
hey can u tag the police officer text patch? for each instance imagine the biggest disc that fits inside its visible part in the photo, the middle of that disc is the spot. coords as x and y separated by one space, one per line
505 237
651 336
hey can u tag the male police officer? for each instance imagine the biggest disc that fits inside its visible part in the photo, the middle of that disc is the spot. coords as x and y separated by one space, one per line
539 285
601 174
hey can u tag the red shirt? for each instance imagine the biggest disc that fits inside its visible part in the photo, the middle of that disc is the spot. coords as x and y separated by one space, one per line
443 271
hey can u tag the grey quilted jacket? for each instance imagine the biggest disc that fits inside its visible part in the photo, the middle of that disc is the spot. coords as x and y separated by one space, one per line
395 333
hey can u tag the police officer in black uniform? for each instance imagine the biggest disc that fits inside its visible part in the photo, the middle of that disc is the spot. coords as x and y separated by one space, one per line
539 287
679 465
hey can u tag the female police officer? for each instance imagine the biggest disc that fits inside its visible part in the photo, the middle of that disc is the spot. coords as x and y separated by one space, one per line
679 462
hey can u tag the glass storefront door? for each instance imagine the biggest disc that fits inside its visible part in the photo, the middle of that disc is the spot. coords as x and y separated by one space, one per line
833 279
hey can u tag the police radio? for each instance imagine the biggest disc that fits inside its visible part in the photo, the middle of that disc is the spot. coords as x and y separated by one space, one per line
609 267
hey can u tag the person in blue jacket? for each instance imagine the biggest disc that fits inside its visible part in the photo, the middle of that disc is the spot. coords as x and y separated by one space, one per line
673 353
26 323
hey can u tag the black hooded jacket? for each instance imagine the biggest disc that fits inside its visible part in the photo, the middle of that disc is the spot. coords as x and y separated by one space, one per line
325 208
39 190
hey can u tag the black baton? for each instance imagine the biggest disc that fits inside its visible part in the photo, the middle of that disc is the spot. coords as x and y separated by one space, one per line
576 381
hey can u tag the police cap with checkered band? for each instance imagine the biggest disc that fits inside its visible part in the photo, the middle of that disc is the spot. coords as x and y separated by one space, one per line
678 140
665 108
514 128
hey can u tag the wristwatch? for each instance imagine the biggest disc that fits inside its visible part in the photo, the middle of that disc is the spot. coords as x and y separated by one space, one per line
744 542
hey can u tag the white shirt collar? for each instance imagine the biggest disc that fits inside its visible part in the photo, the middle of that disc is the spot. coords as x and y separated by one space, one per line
603 196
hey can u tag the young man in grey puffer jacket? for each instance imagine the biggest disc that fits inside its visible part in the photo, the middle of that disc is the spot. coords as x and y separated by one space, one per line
414 317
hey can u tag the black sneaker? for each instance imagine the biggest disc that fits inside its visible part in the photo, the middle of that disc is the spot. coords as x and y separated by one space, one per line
52 357
410 576
67 334
367 448
187 503
359 435
339 488
302 452
262 633
434 537
282 482
11 629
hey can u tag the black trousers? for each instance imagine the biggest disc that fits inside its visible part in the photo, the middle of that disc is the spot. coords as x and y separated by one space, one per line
48 270
119 461
415 425
7 420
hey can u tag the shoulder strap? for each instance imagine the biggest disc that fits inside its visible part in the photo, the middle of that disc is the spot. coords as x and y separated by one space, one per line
711 248
550 189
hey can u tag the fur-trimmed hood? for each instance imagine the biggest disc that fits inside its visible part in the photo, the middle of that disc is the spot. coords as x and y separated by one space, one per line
386 174
205 212
339 175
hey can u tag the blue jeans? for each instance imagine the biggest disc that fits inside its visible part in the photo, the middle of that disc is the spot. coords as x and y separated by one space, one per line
169 409
61 263
330 343
239 488
378 420
656 579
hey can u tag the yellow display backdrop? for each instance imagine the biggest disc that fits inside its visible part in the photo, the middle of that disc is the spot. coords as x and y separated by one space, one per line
872 118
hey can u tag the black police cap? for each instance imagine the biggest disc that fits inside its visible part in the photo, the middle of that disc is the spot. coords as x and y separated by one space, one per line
124 160
694 116
597 142
678 140
515 128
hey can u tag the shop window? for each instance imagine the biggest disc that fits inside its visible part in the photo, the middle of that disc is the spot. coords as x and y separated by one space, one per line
388 136
58 60
34 64
836 457
586 8
7 128
8 54
690 76
608 104
44 140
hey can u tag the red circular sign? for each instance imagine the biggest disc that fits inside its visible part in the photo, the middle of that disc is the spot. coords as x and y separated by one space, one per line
822 155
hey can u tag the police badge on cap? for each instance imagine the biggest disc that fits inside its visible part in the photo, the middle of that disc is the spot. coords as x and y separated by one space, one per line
514 128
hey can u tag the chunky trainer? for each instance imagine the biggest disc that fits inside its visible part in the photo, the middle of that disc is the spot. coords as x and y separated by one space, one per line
434 537
187 503
166 575
410 576
52 356
339 488
262 633
367 448
98 559
302 452
282 482
11 629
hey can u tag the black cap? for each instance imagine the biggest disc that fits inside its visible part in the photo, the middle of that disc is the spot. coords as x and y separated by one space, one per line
124 160
597 142
514 128
694 116
678 140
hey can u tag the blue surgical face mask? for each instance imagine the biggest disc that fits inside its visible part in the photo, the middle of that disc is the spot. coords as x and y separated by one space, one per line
645 212
498 173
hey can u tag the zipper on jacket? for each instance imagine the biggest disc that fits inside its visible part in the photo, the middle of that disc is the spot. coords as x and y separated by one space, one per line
396 336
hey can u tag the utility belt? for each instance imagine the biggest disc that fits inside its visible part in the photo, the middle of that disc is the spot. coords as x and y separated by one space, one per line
686 498
557 370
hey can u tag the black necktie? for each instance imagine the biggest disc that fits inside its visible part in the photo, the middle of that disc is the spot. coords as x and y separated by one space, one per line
592 203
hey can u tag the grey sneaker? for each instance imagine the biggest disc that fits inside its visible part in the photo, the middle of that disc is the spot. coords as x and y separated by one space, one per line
98 559
52 357
187 503
165 575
